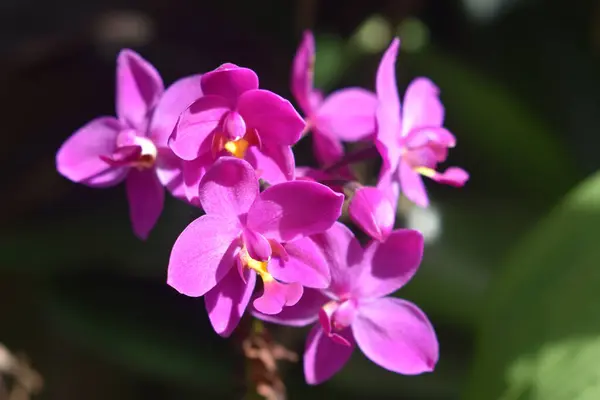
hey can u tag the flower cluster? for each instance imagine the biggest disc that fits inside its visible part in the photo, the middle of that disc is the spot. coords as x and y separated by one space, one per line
215 139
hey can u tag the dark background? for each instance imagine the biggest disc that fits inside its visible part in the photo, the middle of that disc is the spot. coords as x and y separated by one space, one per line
88 303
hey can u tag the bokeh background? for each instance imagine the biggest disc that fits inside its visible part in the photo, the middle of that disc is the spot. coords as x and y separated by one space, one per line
511 275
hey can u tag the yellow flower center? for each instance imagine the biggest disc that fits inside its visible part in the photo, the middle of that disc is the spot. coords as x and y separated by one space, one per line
260 267
237 147
149 153
428 172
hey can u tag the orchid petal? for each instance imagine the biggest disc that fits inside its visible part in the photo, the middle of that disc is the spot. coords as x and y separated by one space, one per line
178 97
423 136
276 296
396 335
388 109
257 246
139 87
195 124
229 81
303 71
412 185
452 176
273 163
344 254
146 199
228 188
372 212
79 160
169 172
193 171
304 264
203 254
327 149
348 114
291 210
323 357
389 265
227 302
303 313
272 116
422 107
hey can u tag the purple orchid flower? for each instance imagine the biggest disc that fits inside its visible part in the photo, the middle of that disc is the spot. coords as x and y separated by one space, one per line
133 147
235 117
356 310
347 114
414 143
371 210
246 233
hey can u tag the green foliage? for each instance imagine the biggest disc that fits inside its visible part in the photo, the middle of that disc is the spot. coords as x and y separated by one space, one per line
540 338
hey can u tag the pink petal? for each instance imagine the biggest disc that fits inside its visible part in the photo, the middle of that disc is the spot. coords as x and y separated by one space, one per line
323 357
412 185
78 159
258 247
388 109
139 87
169 172
389 265
276 296
291 210
179 96
389 185
302 72
229 81
422 106
228 188
303 313
234 125
327 149
344 255
304 264
424 136
203 254
372 212
273 163
123 156
195 125
272 116
348 114
146 198
396 335
453 176
193 171
226 302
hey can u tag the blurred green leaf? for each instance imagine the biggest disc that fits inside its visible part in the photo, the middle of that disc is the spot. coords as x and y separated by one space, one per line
329 60
144 327
540 338
492 124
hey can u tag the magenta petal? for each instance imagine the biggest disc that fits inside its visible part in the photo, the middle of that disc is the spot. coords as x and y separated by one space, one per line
327 149
146 198
123 156
302 72
389 185
291 210
139 87
195 125
273 163
203 254
424 136
276 296
272 116
234 125
348 114
344 254
396 335
304 264
422 107
193 171
229 81
391 264
226 302
257 246
323 357
228 188
388 110
453 176
169 172
79 160
179 96
372 212
303 313
412 185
